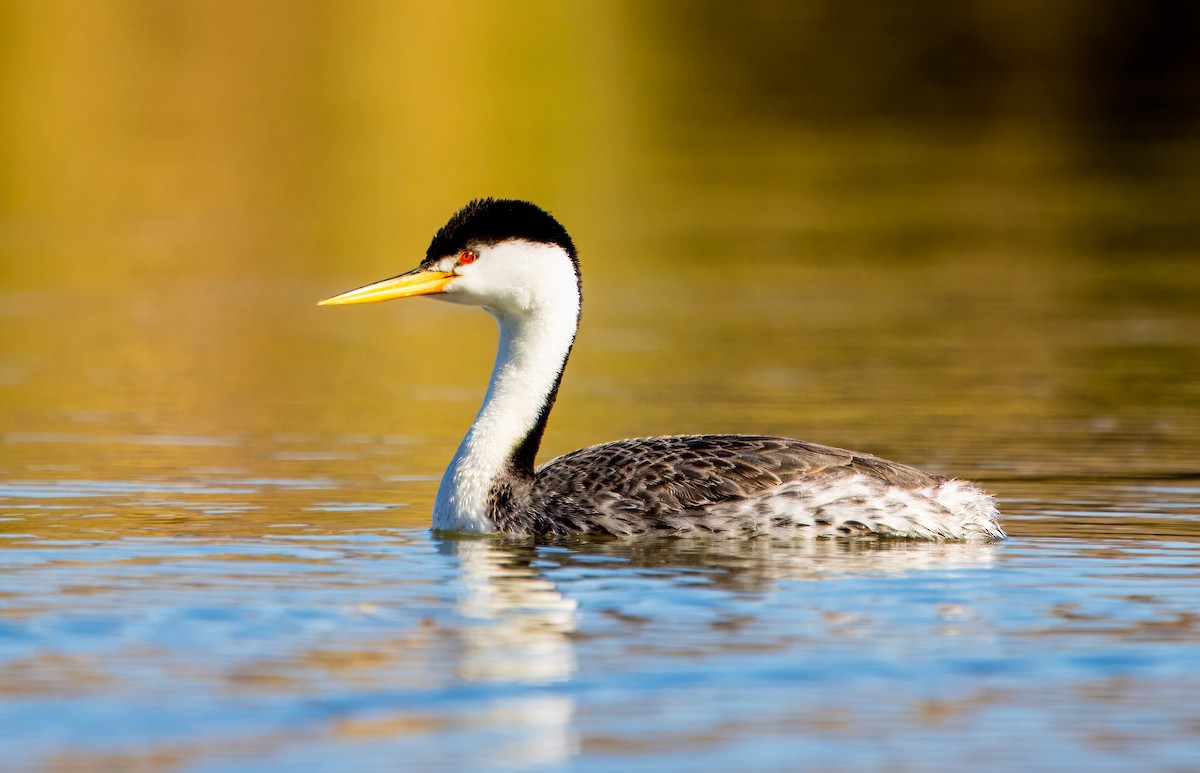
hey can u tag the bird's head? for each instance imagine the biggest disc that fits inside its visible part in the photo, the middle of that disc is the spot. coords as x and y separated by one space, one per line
506 255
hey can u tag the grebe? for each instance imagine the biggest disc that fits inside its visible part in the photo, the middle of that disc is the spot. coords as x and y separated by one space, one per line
520 265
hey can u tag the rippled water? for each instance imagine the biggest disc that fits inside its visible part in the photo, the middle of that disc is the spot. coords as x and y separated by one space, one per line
215 497
180 643
221 620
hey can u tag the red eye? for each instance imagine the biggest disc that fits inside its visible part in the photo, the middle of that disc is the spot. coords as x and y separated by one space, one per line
466 257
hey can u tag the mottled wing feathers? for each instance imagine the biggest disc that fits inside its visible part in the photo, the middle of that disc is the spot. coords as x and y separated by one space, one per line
662 477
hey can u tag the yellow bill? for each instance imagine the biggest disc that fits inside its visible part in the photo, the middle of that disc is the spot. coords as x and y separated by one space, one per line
416 282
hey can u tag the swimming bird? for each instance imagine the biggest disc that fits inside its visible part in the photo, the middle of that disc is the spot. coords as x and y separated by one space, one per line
518 263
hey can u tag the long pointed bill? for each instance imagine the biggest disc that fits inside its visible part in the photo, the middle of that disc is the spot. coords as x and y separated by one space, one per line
415 282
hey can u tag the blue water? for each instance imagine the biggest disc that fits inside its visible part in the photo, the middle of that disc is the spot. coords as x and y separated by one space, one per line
392 649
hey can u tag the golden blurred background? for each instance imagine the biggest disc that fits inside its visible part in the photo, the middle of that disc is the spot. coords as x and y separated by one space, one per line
848 221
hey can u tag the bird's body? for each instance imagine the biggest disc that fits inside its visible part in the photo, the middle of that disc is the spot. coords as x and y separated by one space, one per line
518 263
741 486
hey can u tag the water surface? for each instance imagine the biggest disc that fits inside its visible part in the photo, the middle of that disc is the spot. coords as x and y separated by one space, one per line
215 497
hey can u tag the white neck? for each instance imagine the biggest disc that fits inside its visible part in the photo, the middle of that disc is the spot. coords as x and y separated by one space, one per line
537 329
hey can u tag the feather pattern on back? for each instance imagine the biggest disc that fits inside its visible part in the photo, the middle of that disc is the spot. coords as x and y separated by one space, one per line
738 485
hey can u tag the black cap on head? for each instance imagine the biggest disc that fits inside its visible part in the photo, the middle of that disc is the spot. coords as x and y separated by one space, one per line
491 221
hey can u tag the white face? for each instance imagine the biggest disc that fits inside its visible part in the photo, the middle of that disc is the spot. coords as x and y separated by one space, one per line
513 277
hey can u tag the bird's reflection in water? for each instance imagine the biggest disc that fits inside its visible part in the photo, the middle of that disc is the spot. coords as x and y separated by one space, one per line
525 622
757 564
521 636
524 625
